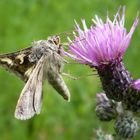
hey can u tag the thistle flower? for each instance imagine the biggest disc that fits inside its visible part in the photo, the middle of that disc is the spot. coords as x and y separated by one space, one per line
105 108
126 126
131 101
102 43
102 46
100 135
136 84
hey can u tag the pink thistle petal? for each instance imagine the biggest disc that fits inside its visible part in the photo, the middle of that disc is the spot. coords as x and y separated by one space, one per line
103 42
136 84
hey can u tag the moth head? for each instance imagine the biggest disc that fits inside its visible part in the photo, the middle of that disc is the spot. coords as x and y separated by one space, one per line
54 40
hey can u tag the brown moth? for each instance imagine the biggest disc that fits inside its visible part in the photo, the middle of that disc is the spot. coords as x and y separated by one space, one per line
43 60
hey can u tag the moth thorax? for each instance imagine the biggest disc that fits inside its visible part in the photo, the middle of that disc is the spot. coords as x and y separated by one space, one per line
38 49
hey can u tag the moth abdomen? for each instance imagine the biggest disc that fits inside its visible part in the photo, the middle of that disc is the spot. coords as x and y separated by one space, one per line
58 84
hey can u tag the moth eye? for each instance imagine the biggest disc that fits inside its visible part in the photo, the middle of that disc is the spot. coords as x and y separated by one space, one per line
55 42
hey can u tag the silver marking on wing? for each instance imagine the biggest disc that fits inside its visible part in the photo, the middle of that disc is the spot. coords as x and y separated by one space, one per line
7 60
30 100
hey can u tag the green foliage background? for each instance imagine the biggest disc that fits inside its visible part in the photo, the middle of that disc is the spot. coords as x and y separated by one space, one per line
21 22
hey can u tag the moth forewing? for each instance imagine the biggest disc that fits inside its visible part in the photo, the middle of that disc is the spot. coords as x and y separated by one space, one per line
18 63
30 100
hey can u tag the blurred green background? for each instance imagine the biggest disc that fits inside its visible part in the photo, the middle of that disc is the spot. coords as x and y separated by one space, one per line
23 21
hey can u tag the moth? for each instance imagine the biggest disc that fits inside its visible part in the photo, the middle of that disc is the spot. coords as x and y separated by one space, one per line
42 60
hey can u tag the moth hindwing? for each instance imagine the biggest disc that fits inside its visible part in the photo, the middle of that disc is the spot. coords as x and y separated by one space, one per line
43 60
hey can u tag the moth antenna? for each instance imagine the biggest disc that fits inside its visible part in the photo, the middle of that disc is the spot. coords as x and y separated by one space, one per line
65 44
79 77
78 40
65 33
70 33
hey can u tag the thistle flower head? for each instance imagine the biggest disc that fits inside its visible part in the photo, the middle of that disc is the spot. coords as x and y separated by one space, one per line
105 108
103 42
126 126
100 135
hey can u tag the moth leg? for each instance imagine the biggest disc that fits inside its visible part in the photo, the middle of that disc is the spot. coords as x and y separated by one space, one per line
69 76
61 58
77 78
